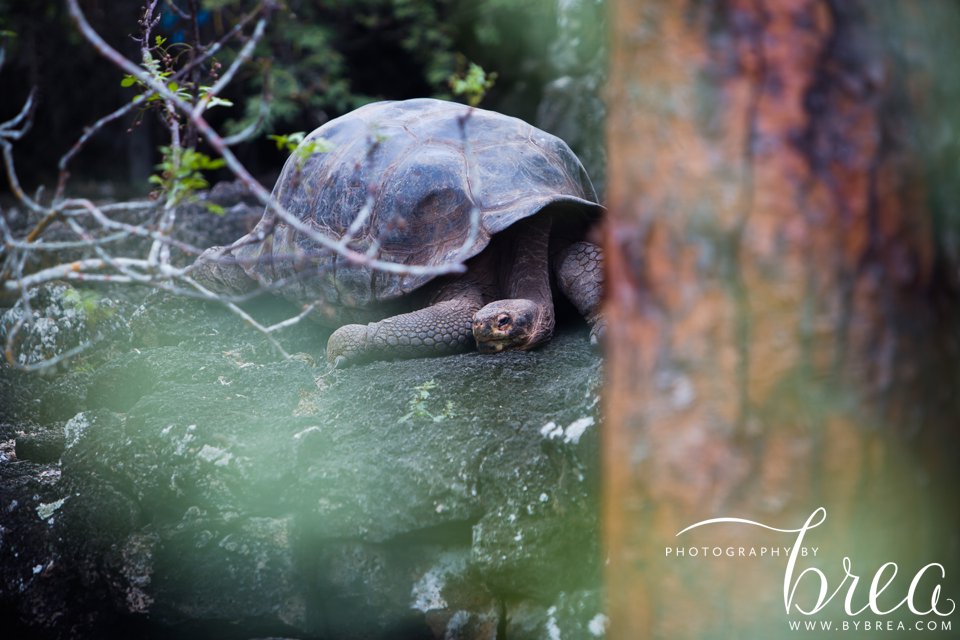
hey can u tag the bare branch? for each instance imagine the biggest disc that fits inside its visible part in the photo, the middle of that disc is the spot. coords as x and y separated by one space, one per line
15 181
243 314
177 10
219 44
77 271
47 363
80 205
147 23
227 77
88 133
65 245
8 129
47 220
289 322
217 142
97 232
251 130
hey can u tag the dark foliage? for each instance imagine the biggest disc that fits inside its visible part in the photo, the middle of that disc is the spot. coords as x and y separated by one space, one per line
319 60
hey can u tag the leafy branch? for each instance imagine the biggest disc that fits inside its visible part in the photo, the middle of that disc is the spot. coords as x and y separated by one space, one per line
173 91
473 84
295 144
181 176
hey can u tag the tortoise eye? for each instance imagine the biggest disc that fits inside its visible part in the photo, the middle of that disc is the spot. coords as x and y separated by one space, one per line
503 320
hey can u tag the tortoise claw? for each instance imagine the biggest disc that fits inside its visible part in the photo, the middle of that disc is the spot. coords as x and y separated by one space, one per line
346 343
598 331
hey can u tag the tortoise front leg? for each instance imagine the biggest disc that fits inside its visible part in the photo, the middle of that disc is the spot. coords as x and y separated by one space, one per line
579 271
444 327
440 329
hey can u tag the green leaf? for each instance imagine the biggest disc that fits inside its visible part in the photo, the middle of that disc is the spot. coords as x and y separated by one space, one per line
219 102
128 81
208 163
473 85
214 5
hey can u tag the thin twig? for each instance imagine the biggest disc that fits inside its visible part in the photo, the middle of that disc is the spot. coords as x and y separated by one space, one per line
243 314
219 44
177 10
289 322
88 133
216 141
78 206
155 270
66 244
254 127
245 53
77 269
47 363
473 189
8 129
14 181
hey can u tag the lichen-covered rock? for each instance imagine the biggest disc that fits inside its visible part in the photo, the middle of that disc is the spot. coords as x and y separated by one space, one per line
218 216
32 584
56 319
576 615
227 568
205 483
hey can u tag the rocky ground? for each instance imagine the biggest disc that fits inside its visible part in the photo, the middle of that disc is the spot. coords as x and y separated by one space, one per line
183 480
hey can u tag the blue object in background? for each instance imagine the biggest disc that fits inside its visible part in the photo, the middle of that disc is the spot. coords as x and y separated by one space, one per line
176 26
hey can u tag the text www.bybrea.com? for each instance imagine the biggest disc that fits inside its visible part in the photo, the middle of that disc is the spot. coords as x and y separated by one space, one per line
867 625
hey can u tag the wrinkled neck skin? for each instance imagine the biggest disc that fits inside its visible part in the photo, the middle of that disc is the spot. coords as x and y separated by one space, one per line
525 270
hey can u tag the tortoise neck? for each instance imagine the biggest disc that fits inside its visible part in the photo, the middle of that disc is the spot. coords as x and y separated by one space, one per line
528 275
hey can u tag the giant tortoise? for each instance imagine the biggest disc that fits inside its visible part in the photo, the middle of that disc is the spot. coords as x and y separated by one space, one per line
426 182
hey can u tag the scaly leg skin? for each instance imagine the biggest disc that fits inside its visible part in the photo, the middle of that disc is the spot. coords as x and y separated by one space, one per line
579 270
444 327
440 329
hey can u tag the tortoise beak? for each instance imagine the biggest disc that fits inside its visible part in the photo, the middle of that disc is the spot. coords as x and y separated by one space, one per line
489 347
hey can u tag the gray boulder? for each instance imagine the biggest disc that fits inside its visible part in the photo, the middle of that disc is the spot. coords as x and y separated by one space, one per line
207 486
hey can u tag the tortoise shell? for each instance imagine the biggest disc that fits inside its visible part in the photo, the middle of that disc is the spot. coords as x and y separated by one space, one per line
411 158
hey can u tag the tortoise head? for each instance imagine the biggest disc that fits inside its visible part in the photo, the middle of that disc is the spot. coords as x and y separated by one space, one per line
511 325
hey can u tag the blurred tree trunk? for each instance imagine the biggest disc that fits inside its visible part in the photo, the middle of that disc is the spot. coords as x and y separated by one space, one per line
781 313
